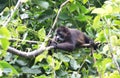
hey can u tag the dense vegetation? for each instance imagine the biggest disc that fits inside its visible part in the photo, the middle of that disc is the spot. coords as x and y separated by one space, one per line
25 24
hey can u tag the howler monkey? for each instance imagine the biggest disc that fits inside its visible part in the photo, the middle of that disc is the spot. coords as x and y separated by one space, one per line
68 39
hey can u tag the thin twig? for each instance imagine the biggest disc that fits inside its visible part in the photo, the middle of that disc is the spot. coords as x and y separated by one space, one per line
13 11
27 41
55 21
110 45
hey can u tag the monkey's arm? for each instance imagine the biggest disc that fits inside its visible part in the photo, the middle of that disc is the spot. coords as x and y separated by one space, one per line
65 46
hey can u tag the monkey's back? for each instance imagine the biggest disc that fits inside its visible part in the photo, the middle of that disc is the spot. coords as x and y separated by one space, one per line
78 37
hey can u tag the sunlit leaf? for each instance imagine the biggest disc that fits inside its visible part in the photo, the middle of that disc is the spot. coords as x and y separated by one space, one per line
108 9
71 1
113 40
4 37
105 48
96 22
5 43
21 28
97 56
100 11
40 57
24 1
50 60
100 37
106 63
4 33
117 22
57 65
41 34
84 1
114 74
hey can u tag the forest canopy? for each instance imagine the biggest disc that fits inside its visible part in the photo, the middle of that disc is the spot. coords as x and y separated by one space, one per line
26 26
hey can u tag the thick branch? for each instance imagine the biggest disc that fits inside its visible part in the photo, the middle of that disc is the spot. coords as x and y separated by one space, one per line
35 52
29 54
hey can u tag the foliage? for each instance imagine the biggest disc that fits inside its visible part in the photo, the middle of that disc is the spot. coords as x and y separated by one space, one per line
33 20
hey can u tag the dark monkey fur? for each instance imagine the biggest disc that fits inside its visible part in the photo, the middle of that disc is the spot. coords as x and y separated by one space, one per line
68 39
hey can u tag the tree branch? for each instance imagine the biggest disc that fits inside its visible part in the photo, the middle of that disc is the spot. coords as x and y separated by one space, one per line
27 41
29 54
35 52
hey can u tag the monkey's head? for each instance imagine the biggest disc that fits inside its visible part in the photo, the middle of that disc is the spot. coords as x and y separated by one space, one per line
62 34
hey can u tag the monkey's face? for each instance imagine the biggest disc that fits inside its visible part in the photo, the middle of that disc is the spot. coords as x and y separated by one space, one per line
60 36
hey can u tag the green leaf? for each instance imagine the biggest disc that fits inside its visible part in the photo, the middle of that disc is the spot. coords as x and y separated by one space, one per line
44 4
41 34
114 74
84 1
4 37
21 28
75 75
97 56
100 11
24 1
4 33
74 65
5 43
62 57
117 22
57 65
101 37
5 65
64 16
113 40
108 9
71 1
97 23
31 70
82 17
41 57
105 48
50 60
73 7
106 61
21 62
61 73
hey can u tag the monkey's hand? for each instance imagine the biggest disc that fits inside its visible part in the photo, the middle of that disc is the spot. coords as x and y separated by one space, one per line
52 43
